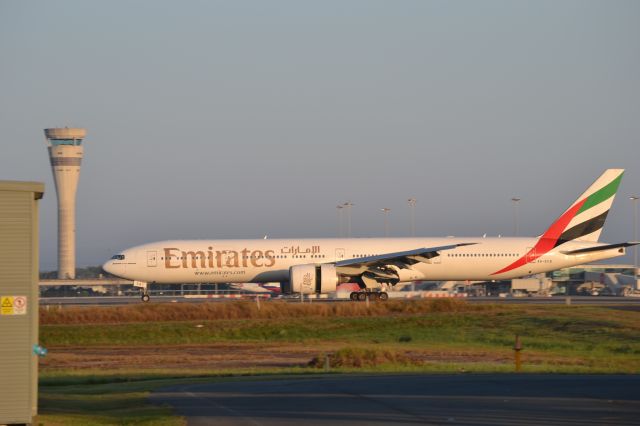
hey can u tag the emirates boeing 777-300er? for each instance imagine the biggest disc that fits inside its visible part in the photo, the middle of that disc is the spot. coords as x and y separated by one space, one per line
376 264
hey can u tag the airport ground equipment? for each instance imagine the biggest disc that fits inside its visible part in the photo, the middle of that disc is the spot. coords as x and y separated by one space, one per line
608 283
65 154
531 286
19 301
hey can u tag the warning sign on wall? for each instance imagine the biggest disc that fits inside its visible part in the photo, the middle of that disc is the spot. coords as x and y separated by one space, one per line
6 306
19 305
13 305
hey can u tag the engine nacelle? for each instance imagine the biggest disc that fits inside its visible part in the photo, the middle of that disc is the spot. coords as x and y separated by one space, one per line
312 278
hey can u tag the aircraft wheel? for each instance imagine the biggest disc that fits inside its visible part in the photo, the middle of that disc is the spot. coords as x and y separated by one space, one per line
362 296
145 297
353 295
383 296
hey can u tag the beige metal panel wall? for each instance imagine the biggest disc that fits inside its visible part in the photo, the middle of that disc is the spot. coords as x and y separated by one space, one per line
18 277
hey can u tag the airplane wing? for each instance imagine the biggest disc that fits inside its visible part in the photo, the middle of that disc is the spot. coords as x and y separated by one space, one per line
383 267
600 248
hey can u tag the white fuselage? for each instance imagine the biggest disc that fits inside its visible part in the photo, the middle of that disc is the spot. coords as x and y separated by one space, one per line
261 261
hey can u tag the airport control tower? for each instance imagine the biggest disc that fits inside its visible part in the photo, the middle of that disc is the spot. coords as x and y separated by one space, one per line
65 153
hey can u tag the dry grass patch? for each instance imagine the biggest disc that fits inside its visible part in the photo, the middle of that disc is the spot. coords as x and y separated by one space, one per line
176 357
361 357
160 312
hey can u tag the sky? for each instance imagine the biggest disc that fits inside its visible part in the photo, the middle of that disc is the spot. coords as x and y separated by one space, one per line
241 119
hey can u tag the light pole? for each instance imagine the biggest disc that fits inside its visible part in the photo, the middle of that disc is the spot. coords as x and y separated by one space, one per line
339 209
515 201
634 199
386 211
348 206
412 208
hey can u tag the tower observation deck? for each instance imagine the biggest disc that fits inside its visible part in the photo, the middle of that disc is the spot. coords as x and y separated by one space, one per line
65 154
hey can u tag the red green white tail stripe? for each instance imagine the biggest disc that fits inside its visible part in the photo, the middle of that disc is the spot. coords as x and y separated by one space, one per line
582 221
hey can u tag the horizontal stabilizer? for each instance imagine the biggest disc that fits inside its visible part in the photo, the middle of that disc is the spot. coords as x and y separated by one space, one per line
600 248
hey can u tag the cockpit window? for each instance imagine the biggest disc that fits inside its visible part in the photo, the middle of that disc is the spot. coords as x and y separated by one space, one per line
118 257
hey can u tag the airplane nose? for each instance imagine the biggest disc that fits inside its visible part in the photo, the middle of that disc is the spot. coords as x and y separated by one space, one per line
108 267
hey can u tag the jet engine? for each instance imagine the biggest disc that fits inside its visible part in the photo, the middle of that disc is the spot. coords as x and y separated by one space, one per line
312 278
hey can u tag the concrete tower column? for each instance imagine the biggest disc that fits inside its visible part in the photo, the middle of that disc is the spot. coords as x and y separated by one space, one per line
65 154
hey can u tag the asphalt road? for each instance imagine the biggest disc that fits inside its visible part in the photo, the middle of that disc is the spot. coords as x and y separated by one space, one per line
489 399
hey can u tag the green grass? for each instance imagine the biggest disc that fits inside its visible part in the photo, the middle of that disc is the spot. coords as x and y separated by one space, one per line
102 398
590 333
111 402
555 338
128 408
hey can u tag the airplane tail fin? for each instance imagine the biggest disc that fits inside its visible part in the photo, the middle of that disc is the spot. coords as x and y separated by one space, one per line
585 218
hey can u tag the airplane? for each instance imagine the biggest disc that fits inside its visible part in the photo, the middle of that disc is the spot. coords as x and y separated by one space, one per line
376 264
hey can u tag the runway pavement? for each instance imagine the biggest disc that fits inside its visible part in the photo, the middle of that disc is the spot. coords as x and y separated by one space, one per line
490 399
126 300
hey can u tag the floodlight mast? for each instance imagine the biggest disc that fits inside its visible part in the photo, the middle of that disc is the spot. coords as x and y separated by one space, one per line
386 211
348 206
412 206
515 201
634 199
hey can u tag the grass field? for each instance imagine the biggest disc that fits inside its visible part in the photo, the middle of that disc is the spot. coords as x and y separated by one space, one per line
105 360
426 334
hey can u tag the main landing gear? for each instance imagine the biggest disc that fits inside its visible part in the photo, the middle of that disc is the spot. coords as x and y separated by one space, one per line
361 296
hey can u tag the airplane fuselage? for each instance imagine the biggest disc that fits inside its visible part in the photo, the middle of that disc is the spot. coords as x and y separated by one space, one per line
269 260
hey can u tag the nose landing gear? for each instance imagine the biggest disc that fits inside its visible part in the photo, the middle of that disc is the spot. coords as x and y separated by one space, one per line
143 287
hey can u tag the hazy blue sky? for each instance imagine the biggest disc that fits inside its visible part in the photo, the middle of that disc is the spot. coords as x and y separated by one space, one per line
238 119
